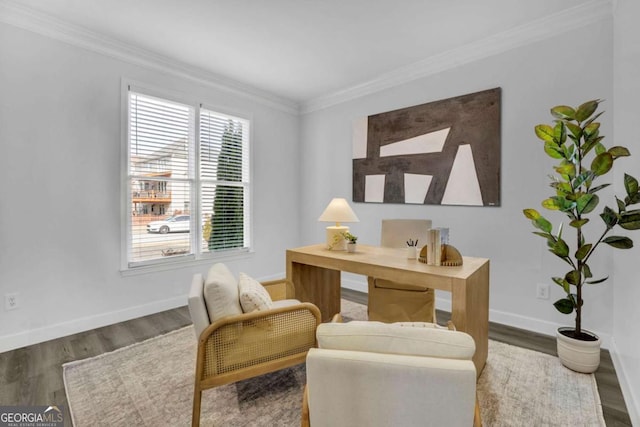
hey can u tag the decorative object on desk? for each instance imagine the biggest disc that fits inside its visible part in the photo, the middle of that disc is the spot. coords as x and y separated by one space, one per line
351 241
437 238
412 248
337 211
445 152
575 141
448 257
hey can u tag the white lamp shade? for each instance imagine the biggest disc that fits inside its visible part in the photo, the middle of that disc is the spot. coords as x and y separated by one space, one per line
338 211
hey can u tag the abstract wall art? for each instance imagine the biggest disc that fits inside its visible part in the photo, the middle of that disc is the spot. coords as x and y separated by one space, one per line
445 152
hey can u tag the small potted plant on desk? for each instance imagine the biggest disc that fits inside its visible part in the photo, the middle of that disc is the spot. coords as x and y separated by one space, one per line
351 241
574 140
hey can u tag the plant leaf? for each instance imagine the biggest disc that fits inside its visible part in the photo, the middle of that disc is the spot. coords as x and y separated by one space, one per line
630 220
581 179
579 222
618 151
575 130
542 234
598 188
562 188
562 283
621 206
573 277
551 204
587 203
568 169
593 119
563 112
586 271
590 130
544 132
583 251
553 150
586 110
632 199
542 224
595 282
564 306
560 133
619 242
531 213
602 163
592 143
560 248
609 217
630 184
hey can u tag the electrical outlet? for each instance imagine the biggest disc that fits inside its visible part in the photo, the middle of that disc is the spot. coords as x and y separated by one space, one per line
11 301
542 291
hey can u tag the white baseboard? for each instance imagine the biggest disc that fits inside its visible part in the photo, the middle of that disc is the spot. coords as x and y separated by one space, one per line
49 332
630 400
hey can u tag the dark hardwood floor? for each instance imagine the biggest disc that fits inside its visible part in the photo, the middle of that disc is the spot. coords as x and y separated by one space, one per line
33 375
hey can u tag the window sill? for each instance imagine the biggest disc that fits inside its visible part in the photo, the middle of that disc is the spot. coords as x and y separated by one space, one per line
185 262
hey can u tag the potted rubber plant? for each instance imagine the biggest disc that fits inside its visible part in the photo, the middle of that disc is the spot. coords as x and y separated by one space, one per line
574 141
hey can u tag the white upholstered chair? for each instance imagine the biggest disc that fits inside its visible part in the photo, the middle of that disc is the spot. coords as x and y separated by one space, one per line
400 302
382 375
233 345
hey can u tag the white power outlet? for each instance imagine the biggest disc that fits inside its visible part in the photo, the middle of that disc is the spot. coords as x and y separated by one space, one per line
542 291
11 301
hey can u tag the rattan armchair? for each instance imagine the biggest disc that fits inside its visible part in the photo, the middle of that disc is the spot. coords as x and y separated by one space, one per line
243 346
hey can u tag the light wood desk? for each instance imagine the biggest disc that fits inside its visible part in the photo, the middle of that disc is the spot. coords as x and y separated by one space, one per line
315 274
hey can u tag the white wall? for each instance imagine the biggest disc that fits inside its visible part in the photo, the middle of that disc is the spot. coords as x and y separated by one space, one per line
568 69
626 316
60 214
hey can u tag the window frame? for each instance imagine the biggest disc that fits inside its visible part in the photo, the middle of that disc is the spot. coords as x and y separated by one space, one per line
197 255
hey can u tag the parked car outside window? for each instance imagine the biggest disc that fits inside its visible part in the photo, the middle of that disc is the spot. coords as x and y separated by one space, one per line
172 224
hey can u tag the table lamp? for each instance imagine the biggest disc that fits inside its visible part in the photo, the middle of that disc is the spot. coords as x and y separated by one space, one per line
337 211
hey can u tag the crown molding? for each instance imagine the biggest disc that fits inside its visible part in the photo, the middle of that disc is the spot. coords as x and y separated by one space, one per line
579 16
540 29
31 20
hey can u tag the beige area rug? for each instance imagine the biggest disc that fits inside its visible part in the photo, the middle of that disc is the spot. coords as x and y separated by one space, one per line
151 384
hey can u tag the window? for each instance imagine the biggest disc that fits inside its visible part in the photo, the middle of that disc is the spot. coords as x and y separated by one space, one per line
187 181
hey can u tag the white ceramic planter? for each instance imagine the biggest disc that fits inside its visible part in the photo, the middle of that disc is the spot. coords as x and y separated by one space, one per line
577 355
351 247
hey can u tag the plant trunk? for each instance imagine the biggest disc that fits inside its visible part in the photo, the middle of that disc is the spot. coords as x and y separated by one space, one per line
579 291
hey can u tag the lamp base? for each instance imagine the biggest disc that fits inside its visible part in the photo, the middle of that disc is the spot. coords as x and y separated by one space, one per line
335 239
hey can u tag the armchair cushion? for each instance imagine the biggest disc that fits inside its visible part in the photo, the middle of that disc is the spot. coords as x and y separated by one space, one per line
221 293
253 296
197 307
377 337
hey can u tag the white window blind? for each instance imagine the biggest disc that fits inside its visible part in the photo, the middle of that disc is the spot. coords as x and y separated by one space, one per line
188 194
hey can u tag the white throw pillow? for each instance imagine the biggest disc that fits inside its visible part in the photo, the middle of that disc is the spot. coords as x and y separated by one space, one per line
253 296
221 293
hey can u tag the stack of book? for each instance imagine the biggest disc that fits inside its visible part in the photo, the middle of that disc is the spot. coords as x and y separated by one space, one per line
437 238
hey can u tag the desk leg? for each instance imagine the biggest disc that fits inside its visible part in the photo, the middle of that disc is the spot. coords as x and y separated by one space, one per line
470 311
317 285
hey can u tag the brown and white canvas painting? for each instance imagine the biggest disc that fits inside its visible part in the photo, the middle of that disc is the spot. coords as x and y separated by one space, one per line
445 152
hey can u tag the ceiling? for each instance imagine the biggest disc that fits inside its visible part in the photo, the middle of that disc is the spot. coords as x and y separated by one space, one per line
299 50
